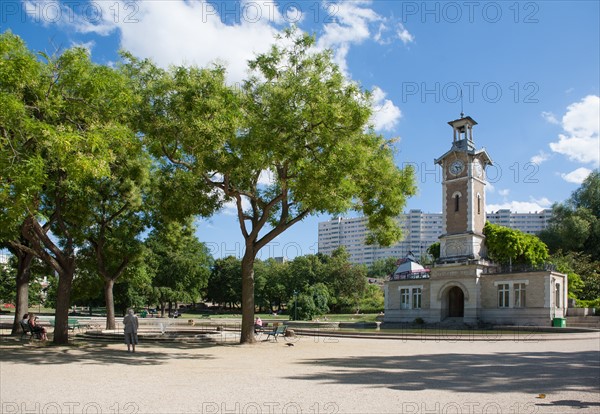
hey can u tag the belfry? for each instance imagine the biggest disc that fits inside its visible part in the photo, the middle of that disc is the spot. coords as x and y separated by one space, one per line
463 286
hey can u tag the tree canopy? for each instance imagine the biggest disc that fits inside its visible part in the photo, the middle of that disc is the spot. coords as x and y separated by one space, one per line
506 245
62 119
575 224
294 141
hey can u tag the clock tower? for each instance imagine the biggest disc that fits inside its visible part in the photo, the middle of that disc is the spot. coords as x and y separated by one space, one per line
463 195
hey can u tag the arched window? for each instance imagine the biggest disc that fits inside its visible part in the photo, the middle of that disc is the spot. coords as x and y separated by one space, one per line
478 203
457 202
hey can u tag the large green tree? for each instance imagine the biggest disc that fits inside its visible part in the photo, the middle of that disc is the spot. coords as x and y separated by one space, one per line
62 117
178 261
117 205
511 246
224 283
297 120
575 224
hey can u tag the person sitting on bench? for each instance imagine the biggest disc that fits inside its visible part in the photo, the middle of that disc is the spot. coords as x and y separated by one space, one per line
36 328
257 325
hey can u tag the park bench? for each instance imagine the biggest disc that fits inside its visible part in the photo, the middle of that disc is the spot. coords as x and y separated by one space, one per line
28 330
72 324
277 331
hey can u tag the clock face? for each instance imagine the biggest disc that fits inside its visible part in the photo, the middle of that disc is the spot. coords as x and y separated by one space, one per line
456 167
477 168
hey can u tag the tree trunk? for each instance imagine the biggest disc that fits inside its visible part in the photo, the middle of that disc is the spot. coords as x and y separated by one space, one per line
162 309
110 303
63 295
23 276
247 335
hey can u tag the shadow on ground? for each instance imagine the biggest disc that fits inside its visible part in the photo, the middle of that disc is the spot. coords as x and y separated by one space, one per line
529 372
44 353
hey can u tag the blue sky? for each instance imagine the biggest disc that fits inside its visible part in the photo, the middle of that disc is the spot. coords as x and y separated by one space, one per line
529 74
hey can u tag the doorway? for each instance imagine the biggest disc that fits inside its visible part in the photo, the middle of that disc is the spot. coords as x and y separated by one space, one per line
456 303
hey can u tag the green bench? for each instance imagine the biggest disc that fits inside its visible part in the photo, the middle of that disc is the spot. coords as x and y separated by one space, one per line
72 324
277 331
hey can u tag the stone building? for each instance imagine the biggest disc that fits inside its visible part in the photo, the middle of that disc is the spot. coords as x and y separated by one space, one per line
463 284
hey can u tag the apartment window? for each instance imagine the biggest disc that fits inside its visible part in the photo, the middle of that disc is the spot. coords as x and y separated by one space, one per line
503 295
417 293
404 298
520 295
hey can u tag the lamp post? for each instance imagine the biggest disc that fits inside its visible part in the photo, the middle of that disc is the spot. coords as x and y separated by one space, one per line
295 305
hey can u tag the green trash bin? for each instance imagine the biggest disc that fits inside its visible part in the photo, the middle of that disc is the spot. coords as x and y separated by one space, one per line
559 322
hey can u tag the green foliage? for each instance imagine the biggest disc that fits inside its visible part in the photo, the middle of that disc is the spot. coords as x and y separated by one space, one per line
434 250
179 264
225 281
583 273
296 117
346 281
575 224
8 293
311 304
507 245
373 300
382 268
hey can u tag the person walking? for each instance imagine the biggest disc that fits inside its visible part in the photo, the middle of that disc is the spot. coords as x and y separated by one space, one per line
130 324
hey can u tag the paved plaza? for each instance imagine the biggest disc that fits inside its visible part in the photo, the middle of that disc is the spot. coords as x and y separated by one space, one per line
316 375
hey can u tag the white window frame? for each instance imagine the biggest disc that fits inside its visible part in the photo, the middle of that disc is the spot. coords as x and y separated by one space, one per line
503 295
520 292
417 297
511 284
404 298
409 299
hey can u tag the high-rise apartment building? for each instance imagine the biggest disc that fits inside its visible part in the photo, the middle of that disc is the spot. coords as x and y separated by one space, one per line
420 231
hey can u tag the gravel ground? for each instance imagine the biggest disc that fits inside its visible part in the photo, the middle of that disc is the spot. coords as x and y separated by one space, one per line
316 375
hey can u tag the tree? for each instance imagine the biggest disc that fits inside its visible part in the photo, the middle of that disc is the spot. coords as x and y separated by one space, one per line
296 120
179 262
575 224
311 303
583 274
116 203
346 281
373 299
434 250
382 268
274 275
61 119
512 246
224 283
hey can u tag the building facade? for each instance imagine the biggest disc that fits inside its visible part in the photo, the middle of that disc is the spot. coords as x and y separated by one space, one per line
463 284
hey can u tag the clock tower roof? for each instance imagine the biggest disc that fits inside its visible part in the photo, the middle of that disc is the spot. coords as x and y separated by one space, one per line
463 141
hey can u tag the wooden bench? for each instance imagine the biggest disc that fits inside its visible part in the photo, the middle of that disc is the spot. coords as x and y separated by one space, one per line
277 331
28 330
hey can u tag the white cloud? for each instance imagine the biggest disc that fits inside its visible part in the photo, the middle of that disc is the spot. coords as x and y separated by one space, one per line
581 123
404 35
230 207
490 188
353 23
385 114
577 176
540 158
266 177
550 118
521 206
504 192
